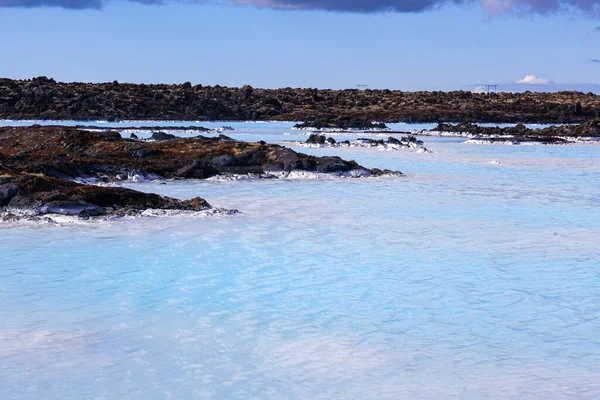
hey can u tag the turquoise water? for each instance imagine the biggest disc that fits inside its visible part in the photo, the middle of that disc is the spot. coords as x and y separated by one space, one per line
461 280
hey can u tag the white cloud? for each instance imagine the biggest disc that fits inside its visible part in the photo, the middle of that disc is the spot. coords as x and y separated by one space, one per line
534 80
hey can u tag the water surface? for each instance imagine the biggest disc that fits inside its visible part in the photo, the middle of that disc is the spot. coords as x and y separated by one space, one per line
461 280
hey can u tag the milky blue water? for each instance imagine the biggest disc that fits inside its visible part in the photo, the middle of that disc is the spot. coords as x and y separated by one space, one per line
461 280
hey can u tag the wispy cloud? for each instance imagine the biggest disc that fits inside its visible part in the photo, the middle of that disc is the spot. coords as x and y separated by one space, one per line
71 4
534 80
357 6
493 6
590 7
595 60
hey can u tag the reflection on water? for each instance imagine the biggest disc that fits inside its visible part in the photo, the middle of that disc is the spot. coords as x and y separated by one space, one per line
461 280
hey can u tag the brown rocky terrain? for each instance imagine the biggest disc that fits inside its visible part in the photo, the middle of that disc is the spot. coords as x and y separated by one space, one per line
38 195
559 134
43 98
69 153
40 167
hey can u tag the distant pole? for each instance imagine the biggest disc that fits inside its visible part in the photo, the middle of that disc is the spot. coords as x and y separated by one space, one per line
362 87
491 89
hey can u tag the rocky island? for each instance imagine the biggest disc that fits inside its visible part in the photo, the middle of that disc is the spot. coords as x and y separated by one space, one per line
520 134
44 98
391 143
56 170
342 124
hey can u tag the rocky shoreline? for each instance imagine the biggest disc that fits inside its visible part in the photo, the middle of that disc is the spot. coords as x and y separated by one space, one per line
44 98
342 124
520 134
31 196
56 170
391 143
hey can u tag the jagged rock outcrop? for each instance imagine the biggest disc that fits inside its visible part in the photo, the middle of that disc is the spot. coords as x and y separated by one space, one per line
43 169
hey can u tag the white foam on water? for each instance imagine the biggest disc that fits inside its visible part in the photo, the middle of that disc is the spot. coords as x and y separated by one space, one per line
34 218
495 142
360 143
310 175
513 142
291 175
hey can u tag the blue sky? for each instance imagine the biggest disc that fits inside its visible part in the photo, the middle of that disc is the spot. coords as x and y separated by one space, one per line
452 47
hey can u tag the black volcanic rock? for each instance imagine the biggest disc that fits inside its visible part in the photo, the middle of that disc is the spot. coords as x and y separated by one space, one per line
43 98
7 192
36 195
587 129
343 123
315 138
40 165
69 153
160 136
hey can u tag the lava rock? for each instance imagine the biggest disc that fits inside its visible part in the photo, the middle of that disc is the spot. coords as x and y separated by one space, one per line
224 160
162 136
343 109
142 153
7 193
72 208
194 170
316 139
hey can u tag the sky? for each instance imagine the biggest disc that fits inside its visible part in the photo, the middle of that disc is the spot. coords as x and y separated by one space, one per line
395 44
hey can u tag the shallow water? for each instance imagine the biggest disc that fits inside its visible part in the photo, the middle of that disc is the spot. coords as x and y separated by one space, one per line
270 132
461 280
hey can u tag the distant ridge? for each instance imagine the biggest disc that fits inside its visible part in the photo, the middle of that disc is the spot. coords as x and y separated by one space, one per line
44 98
